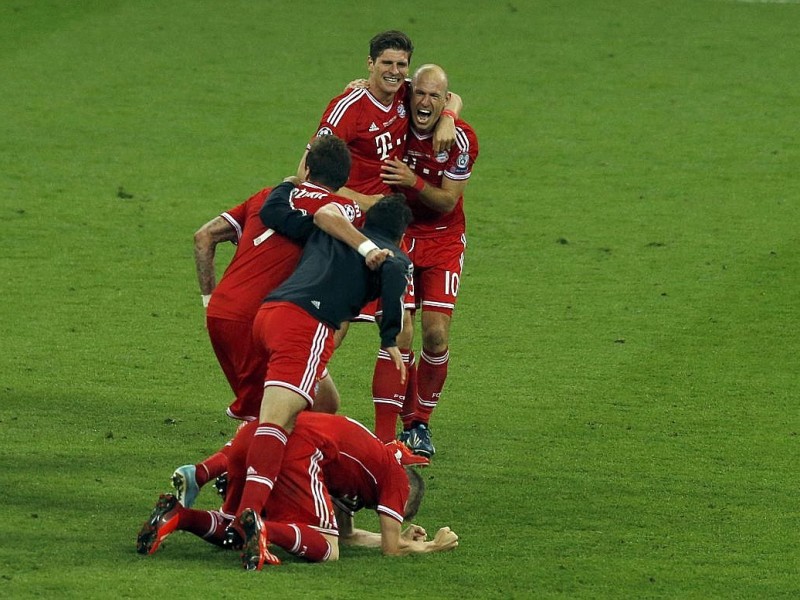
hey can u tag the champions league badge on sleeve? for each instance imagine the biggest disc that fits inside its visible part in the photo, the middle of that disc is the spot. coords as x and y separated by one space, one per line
324 131
462 161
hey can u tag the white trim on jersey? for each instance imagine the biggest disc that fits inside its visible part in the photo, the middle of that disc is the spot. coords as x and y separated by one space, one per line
342 105
318 491
362 465
364 427
389 512
462 141
234 223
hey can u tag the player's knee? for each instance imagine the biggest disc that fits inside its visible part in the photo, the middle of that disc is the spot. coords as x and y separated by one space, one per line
435 339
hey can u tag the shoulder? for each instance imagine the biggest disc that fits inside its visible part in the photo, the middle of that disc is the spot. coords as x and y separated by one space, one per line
465 135
344 102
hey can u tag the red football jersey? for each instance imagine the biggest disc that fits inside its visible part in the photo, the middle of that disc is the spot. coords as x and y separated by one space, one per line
364 467
454 164
372 131
263 258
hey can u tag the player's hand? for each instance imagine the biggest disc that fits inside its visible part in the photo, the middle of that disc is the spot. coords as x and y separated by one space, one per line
357 84
446 539
396 172
444 135
376 257
415 533
399 363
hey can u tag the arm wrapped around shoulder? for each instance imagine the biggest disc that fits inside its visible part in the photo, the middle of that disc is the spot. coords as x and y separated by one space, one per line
279 214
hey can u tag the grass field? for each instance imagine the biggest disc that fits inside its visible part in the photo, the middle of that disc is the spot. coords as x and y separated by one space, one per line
621 418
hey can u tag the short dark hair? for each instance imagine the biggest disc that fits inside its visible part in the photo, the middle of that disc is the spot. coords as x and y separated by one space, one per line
328 161
394 40
416 493
389 215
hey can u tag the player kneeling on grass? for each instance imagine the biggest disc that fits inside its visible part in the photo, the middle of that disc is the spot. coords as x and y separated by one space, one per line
325 455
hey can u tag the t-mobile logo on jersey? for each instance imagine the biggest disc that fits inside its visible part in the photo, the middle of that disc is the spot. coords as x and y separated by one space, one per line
383 144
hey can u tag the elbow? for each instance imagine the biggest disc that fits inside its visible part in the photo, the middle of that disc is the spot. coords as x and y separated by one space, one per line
202 238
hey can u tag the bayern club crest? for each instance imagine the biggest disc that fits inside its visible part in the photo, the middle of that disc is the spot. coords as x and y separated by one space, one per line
442 156
401 110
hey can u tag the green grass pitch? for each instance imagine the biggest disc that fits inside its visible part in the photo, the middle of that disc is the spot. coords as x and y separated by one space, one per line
621 417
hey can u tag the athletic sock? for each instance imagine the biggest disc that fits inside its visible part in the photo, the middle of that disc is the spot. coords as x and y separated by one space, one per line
388 394
300 540
207 524
212 467
264 458
407 412
431 375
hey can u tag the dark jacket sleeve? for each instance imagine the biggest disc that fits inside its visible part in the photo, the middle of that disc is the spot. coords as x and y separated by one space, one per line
395 274
279 214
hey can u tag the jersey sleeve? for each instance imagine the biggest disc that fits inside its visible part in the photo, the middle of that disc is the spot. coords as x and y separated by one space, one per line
237 217
463 154
394 492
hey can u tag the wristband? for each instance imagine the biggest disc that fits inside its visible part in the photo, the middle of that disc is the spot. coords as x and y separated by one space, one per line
449 113
419 184
365 248
206 299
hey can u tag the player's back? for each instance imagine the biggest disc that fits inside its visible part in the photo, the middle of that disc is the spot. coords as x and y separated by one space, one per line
264 259
364 468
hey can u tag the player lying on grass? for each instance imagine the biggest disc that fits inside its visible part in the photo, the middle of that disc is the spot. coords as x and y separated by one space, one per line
325 455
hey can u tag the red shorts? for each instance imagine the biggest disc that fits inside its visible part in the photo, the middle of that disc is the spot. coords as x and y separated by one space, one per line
242 362
438 263
299 496
297 347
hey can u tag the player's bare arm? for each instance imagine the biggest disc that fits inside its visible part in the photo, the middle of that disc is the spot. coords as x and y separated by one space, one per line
442 199
394 543
206 238
444 134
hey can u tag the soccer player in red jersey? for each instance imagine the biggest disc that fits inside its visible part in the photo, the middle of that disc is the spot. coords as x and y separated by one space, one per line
263 260
433 183
295 327
325 455
374 121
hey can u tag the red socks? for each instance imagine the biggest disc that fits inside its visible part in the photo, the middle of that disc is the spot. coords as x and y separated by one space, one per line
388 394
212 467
264 459
431 375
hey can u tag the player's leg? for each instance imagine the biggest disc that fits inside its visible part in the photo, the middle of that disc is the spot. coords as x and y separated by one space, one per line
168 516
298 348
326 398
388 388
303 541
438 288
